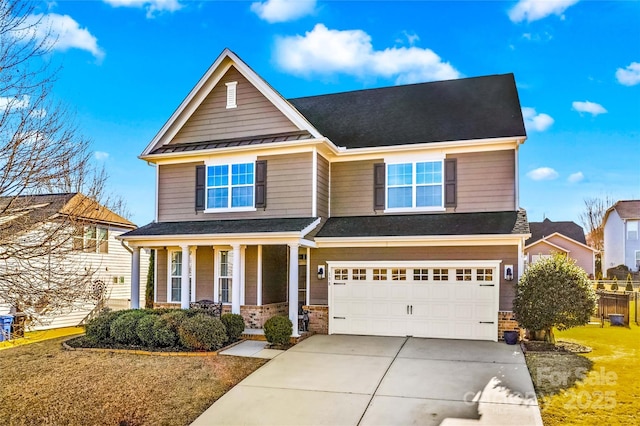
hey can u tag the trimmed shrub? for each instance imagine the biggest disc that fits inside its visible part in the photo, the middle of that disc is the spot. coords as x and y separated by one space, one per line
98 329
614 285
124 328
234 323
164 334
629 286
202 333
278 330
144 329
175 318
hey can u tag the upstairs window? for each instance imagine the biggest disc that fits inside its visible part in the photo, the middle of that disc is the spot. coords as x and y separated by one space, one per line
230 186
415 185
91 239
632 230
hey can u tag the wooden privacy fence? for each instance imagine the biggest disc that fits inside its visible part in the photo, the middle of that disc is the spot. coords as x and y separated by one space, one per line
615 303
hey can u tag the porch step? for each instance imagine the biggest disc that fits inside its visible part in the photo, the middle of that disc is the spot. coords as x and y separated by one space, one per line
258 334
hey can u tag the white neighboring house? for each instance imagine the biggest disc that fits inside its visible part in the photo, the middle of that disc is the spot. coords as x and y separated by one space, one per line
95 248
622 235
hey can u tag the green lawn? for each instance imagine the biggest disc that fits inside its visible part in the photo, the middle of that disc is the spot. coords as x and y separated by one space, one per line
610 392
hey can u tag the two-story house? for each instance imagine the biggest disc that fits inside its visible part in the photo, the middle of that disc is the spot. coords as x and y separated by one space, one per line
622 235
60 260
390 211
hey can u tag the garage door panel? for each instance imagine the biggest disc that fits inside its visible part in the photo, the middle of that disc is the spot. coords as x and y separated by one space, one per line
403 302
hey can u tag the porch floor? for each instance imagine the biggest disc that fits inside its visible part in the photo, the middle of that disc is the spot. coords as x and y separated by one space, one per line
258 334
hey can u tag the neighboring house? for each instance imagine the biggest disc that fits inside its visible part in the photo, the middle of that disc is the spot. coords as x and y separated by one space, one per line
85 232
621 239
390 211
568 238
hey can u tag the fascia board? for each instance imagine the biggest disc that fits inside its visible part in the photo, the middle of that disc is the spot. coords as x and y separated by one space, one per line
212 239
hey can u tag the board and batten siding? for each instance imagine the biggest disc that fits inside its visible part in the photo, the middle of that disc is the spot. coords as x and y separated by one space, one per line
254 115
289 190
508 255
486 181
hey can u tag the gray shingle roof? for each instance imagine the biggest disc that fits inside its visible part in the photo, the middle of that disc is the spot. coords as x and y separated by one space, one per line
629 209
539 230
486 223
216 227
464 109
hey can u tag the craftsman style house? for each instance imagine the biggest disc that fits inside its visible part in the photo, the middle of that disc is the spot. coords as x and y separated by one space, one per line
390 211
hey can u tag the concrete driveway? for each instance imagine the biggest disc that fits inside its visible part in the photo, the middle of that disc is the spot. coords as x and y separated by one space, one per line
365 380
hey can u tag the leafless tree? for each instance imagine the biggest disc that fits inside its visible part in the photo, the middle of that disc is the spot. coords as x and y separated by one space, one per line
41 152
592 219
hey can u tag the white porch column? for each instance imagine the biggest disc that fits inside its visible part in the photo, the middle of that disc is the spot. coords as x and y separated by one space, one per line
293 287
259 278
184 278
235 280
135 278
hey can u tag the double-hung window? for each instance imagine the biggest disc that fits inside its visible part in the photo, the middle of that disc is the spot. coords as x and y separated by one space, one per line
226 276
416 185
230 186
175 275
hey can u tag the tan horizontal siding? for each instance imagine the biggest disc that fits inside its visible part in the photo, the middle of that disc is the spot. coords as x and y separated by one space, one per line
323 187
289 191
508 255
486 181
204 273
352 188
161 276
254 115
251 275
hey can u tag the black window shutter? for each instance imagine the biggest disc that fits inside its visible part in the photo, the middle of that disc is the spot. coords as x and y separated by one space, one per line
261 184
200 187
378 186
450 182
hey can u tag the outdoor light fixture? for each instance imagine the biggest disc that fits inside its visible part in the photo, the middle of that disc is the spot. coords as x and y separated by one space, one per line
508 272
321 272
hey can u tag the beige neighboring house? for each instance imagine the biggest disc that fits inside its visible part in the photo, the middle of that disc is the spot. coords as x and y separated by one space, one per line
391 211
94 247
568 238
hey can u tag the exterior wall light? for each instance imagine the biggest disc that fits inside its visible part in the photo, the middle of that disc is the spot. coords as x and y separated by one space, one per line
508 272
321 272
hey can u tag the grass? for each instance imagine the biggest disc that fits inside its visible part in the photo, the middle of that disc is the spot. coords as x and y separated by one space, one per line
600 387
42 384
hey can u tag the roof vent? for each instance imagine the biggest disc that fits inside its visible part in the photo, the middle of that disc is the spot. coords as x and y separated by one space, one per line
231 94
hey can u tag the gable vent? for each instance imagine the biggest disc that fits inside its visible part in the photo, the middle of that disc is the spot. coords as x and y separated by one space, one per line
231 94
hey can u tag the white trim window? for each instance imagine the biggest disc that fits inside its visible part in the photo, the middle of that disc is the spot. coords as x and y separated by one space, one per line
632 230
415 186
175 276
225 279
91 239
230 187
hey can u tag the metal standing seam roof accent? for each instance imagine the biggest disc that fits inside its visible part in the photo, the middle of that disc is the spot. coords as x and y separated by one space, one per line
235 142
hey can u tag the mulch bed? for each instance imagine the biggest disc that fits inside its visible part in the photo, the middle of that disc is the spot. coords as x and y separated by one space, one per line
559 347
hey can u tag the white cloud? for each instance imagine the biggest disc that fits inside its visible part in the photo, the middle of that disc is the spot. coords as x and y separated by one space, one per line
151 6
575 177
63 33
536 122
629 76
543 173
324 51
14 103
283 10
100 155
533 10
589 107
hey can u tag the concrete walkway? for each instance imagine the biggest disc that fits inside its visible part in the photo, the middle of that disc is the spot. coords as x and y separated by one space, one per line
252 349
360 380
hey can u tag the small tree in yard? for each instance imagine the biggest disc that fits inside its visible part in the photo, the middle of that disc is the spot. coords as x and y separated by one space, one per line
554 292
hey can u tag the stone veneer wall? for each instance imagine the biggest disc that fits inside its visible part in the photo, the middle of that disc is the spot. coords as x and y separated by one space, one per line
318 318
507 322
157 305
255 316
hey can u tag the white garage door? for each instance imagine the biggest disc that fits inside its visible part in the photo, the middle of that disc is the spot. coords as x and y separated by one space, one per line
456 300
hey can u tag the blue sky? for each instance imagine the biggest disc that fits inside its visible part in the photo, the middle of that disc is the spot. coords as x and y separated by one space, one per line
127 65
